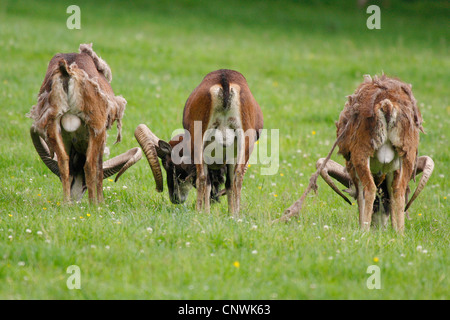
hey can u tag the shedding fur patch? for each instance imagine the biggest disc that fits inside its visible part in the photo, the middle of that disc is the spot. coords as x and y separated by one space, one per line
101 65
71 90
381 108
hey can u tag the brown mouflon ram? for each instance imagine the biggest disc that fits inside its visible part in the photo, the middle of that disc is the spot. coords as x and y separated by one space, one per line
221 114
75 107
378 135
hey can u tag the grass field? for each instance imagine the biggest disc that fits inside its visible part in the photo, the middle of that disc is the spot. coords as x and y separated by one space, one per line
300 58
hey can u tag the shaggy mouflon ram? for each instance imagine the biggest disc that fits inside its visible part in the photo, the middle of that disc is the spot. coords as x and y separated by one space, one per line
76 106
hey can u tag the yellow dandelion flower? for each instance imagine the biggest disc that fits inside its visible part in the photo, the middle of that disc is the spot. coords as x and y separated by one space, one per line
10 215
88 214
249 165
259 187
236 264
57 203
39 194
44 208
110 180
257 142
281 174
419 214
376 259
445 198
81 217
313 132
275 195
118 222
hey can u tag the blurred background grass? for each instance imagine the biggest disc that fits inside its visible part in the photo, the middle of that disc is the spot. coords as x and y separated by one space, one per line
300 58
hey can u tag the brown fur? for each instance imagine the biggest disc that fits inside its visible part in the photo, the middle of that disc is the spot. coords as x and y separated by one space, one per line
94 102
198 108
361 137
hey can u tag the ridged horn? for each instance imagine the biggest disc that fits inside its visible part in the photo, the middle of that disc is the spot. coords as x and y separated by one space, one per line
149 144
121 163
426 165
43 152
336 171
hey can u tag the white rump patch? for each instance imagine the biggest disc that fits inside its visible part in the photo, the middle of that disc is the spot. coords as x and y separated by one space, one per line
70 122
386 153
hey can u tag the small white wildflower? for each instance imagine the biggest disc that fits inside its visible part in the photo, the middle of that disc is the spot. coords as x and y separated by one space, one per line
254 227
326 227
188 244
28 231
239 220
254 252
124 187
93 246
39 233
149 229
21 264
419 248
424 251
330 258
342 239
107 247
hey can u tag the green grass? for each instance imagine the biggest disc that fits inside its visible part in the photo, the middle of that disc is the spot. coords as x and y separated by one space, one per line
300 59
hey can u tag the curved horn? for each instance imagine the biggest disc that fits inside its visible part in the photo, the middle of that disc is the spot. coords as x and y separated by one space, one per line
149 143
336 171
121 163
426 165
43 152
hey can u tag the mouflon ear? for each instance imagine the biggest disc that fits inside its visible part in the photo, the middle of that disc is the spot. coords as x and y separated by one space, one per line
164 147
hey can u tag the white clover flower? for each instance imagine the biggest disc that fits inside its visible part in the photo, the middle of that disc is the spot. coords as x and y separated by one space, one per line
254 252
39 233
28 231
149 229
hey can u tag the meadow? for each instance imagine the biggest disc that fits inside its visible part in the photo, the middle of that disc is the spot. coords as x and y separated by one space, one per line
301 59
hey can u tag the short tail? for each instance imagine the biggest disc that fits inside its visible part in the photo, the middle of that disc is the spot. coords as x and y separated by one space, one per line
226 90
387 107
